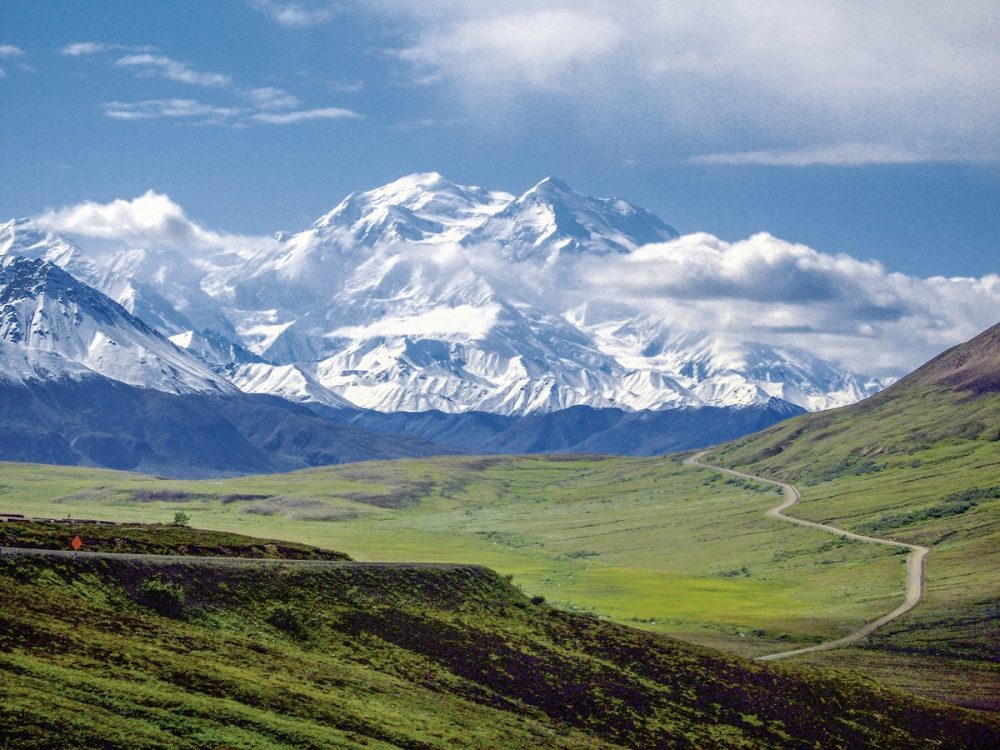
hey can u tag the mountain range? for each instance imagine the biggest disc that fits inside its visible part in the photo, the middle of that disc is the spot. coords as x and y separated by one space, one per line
419 303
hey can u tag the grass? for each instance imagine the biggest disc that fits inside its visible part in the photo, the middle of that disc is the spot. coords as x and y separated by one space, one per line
348 656
648 542
155 539
917 464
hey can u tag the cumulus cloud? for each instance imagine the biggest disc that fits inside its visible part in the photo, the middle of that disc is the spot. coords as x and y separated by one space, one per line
166 67
151 220
765 289
290 118
899 73
296 15
9 50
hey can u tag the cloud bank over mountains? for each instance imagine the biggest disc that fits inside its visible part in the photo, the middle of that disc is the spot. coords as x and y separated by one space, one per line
151 220
848 83
832 305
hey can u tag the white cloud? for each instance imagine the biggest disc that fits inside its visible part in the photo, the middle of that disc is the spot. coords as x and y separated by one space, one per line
151 220
268 97
267 105
9 50
296 15
165 67
202 113
80 49
536 48
290 118
765 289
840 154
170 108
898 73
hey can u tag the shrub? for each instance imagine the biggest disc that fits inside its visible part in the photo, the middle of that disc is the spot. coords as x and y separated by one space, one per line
954 504
286 617
163 596
181 519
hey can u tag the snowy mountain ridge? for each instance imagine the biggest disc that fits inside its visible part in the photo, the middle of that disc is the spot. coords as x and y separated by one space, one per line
428 295
48 313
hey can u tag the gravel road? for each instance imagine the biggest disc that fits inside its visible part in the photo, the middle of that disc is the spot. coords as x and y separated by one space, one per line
914 562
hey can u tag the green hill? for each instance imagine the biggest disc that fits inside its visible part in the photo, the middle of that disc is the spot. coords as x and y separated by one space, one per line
201 653
919 462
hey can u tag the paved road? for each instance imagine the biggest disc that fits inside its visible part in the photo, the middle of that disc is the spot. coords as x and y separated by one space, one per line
914 562
226 562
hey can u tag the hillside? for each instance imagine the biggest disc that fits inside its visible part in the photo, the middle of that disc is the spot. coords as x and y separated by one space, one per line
111 652
647 542
953 399
919 463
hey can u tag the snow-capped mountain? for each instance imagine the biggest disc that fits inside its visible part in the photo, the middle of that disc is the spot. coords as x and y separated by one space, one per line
419 207
286 381
22 238
428 295
552 218
163 289
46 311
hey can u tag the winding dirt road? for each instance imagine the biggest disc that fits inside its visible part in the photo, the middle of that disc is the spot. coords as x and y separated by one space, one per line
914 561
226 562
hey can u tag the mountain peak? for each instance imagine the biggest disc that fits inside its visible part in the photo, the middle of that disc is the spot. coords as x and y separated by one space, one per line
551 219
25 237
45 309
423 179
416 207
552 185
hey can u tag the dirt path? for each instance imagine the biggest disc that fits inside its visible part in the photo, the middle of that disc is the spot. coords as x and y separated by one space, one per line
914 562
224 562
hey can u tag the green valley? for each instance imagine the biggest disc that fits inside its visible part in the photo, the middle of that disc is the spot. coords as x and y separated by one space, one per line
647 542
664 547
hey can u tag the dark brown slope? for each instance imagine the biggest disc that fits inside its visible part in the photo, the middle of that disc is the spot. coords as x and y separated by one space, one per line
973 366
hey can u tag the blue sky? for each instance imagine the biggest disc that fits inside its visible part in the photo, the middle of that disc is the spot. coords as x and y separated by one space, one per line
869 131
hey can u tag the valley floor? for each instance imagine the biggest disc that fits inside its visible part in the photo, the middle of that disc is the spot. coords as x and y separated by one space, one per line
646 542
